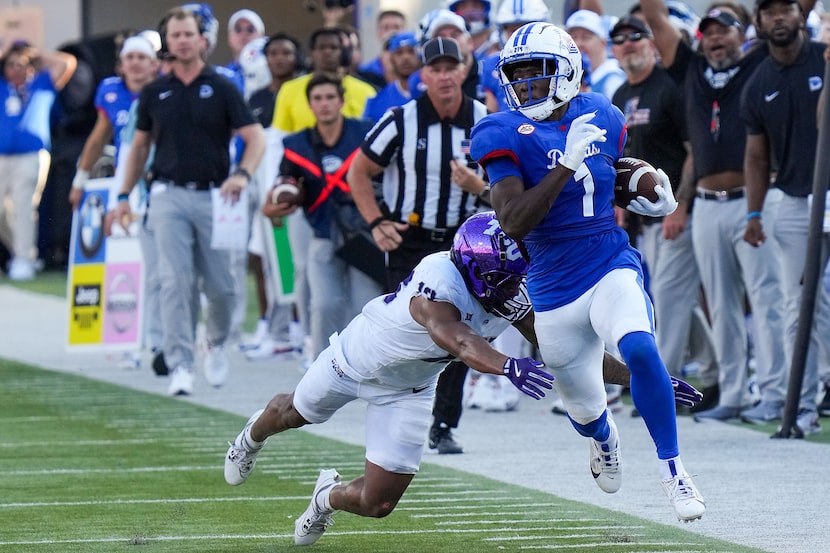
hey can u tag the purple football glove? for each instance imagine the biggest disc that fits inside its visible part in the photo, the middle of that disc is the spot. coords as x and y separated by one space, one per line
685 393
527 375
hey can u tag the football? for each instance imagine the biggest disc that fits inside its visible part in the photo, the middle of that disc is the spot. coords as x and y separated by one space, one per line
635 177
286 193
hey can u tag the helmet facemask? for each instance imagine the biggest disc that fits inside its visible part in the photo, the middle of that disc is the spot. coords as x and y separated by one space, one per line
556 60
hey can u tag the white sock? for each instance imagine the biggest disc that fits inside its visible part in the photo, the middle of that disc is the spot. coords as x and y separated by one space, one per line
250 443
323 499
669 468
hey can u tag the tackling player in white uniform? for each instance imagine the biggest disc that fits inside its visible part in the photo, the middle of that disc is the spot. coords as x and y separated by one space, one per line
451 306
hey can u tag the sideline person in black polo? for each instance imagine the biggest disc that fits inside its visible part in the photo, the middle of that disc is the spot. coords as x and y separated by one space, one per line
190 115
430 186
730 269
779 107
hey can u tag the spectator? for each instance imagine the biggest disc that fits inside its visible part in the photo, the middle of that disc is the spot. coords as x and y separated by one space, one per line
426 196
244 26
29 84
404 60
189 162
650 100
476 14
730 269
272 337
292 114
319 159
138 65
591 36
378 71
446 24
791 76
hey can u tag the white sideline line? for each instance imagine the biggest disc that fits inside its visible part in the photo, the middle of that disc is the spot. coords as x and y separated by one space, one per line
149 540
681 547
147 501
50 472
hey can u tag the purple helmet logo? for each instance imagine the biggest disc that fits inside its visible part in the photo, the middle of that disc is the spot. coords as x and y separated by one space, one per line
492 266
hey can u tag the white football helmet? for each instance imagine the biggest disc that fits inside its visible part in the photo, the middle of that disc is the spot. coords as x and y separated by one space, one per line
522 11
561 64
517 12
254 64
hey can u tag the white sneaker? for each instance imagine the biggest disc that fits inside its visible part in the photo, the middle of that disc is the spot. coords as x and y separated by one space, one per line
606 466
687 502
314 521
296 334
181 381
130 361
241 458
21 269
260 335
269 349
807 421
216 366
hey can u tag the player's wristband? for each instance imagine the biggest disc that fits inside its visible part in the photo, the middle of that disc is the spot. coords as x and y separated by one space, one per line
123 197
753 215
376 222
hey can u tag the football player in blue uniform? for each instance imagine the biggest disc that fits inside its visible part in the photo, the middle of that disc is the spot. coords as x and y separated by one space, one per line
584 280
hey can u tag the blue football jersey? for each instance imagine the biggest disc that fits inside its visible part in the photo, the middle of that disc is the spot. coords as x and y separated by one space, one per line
579 240
115 99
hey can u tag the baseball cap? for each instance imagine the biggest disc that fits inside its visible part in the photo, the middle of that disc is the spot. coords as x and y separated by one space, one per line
138 44
722 17
630 22
248 15
404 38
445 18
437 48
762 4
588 20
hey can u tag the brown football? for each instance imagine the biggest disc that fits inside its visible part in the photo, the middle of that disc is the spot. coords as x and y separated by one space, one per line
635 177
286 192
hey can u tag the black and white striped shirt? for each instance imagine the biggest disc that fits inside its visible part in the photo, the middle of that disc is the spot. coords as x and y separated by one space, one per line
415 146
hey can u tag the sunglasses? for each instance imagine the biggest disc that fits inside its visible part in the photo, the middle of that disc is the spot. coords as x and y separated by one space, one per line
244 29
633 37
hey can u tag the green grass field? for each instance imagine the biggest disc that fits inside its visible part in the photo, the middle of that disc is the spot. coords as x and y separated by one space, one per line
90 467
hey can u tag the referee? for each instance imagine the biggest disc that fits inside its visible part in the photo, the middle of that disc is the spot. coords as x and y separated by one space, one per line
430 186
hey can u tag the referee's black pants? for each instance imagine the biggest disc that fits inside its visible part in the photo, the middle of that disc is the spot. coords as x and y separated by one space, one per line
449 392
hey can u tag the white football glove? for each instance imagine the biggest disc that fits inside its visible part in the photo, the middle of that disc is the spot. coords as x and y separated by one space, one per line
665 205
581 135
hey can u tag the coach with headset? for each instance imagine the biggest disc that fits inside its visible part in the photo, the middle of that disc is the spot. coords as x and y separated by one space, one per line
190 116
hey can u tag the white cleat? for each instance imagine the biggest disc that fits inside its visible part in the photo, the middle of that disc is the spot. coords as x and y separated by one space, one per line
687 502
314 521
606 465
181 381
240 459
216 366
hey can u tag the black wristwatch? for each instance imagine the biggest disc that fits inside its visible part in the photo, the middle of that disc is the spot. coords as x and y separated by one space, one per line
244 173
